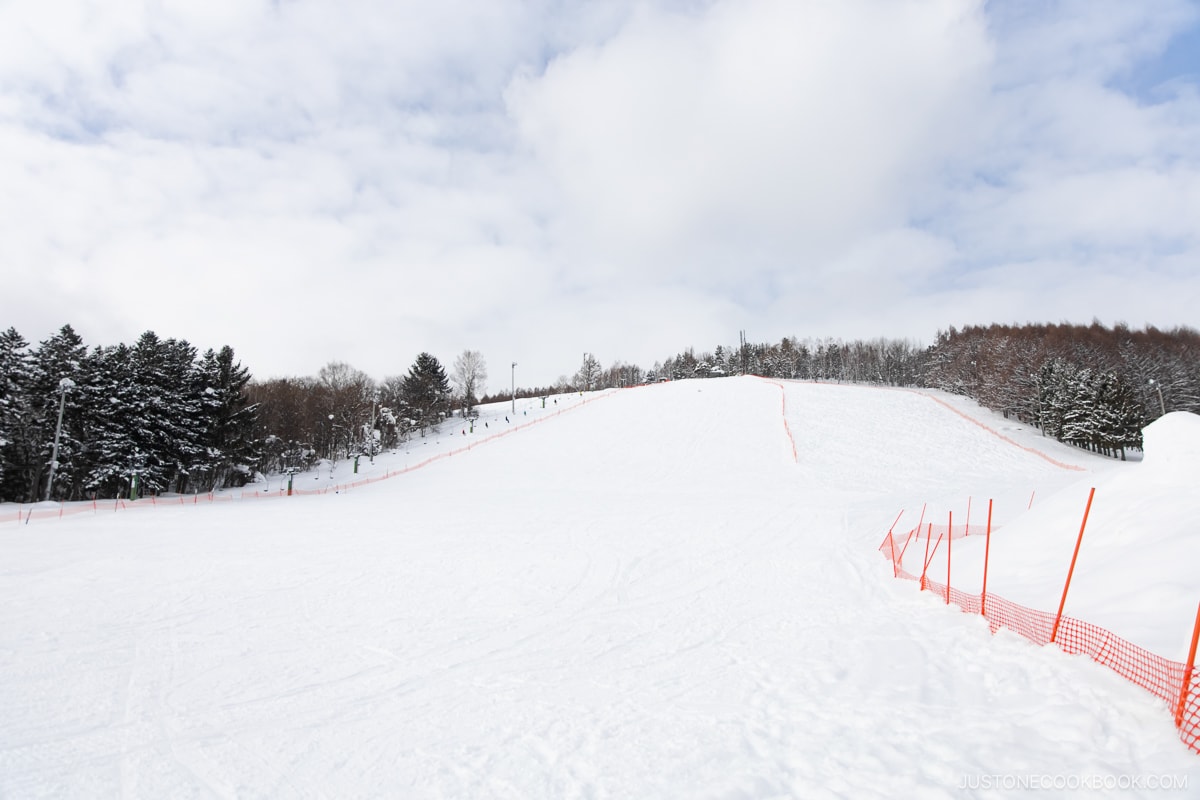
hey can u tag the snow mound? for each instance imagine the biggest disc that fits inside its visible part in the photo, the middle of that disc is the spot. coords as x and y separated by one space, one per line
1173 441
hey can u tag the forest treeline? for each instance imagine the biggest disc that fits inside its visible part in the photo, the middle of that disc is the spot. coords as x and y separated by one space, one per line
78 422
1088 385
158 416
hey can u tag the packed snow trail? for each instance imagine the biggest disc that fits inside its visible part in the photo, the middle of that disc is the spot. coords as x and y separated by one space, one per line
647 598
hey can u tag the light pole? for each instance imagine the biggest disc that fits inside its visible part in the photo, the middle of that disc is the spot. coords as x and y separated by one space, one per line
374 402
1158 386
63 386
514 388
1041 422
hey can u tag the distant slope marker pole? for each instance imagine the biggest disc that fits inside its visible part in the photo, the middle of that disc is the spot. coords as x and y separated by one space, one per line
987 549
929 555
949 540
1031 494
932 555
925 565
1188 672
1071 571
892 544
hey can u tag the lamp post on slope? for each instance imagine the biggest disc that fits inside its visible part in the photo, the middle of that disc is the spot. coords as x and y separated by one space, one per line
514 388
374 403
64 386
1158 386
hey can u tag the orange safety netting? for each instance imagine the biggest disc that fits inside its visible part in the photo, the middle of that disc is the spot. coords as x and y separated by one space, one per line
935 531
1188 717
1162 677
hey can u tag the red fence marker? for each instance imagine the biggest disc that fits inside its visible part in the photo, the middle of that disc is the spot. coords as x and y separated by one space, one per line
892 544
949 540
987 549
925 564
915 531
1187 672
1071 571
929 560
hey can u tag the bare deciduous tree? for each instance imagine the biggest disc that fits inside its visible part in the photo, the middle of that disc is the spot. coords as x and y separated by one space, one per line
588 375
469 378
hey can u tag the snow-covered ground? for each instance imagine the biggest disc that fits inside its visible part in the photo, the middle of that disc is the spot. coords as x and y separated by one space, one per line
644 595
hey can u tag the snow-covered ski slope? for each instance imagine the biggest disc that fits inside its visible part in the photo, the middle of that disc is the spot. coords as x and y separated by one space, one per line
647 596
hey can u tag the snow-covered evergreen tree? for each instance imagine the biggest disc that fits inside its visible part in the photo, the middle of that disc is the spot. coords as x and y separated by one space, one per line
1120 415
1056 388
426 392
720 362
1079 408
115 399
16 432
231 448
166 426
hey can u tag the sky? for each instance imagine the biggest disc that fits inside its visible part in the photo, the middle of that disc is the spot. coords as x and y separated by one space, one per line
535 180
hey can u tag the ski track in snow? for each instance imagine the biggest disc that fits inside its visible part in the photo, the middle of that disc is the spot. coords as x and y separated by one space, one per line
644 598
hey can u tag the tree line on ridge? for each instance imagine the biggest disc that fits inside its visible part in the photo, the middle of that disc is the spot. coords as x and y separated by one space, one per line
158 416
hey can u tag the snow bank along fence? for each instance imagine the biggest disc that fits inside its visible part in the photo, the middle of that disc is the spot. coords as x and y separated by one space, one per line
1176 684
23 514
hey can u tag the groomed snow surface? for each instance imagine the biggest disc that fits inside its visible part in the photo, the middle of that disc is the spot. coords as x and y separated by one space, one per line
645 596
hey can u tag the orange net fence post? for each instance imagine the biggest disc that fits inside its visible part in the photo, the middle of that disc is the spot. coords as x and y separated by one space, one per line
925 563
1071 571
914 532
892 544
925 582
949 539
1188 672
987 551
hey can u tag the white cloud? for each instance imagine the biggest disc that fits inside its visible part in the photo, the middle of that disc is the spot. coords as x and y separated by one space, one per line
784 125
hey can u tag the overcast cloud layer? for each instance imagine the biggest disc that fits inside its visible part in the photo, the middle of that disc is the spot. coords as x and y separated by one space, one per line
361 181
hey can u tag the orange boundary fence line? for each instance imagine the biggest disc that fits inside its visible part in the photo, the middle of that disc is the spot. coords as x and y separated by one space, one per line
787 429
23 514
1172 682
999 435
967 417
